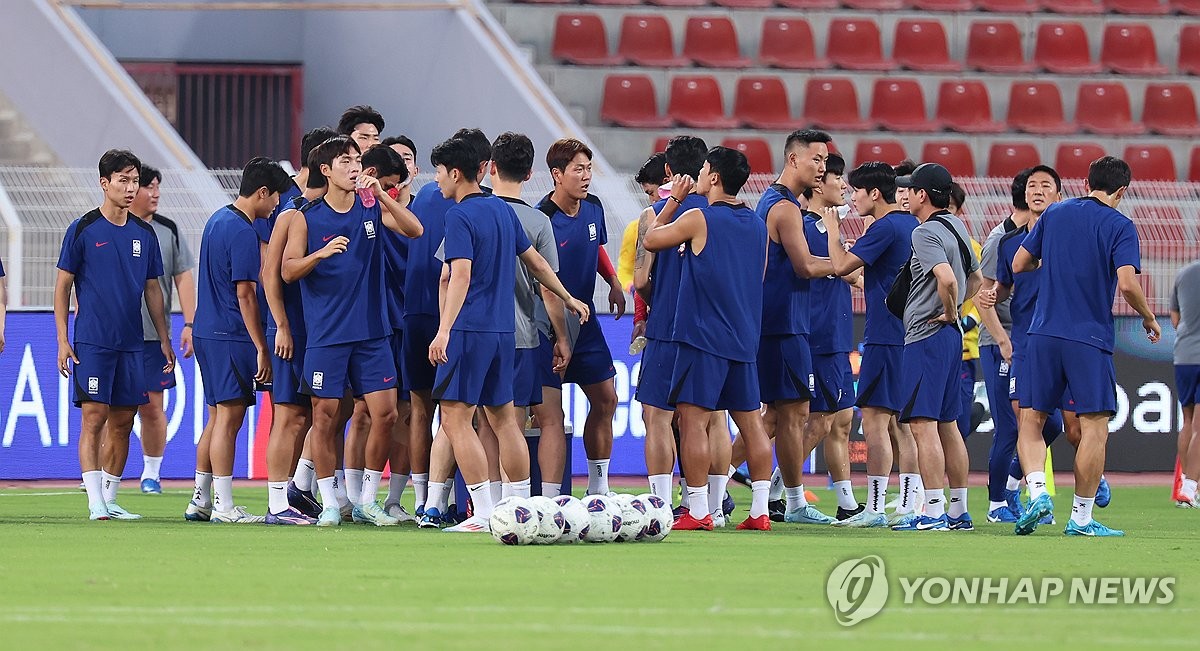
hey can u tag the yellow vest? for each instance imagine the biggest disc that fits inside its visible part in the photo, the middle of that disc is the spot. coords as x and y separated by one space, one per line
628 255
971 339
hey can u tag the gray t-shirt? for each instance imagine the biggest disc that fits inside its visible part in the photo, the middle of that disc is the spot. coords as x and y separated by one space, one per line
987 266
528 292
176 258
933 244
1185 299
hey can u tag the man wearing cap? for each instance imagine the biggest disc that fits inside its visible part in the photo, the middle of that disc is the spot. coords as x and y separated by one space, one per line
945 272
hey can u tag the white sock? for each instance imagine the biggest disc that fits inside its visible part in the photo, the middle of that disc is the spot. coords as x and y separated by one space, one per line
697 501
202 496
1036 481
758 501
521 488
935 502
420 488
151 467
992 506
436 497
919 495
396 484
716 492
223 493
343 498
597 476
110 485
1081 511
328 489
306 474
876 493
447 491
1188 489
660 485
354 484
370 486
1012 484
909 492
92 481
481 497
551 489
795 497
776 492
277 496
845 495
958 502
497 493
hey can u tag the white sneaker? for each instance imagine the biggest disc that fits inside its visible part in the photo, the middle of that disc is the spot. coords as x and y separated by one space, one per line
1193 503
237 515
399 512
473 524
718 519
119 513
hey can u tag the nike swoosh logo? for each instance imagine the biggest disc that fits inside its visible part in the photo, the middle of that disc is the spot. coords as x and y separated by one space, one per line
100 244
165 382
389 379
563 243
327 238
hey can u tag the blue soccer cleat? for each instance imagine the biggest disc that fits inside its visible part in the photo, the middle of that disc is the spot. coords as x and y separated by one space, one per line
807 515
302 500
925 523
289 516
330 517
1103 493
1001 514
430 519
197 513
961 523
151 486
420 512
864 520
1013 498
1037 509
1093 529
727 504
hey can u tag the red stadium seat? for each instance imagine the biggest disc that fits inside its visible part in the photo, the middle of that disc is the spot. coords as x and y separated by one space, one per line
921 45
996 47
615 3
1189 50
1005 159
696 102
757 152
678 3
1063 48
1130 49
807 4
745 4
1151 162
954 155
712 43
1189 7
888 151
762 103
646 41
1073 159
1008 6
1037 107
832 103
899 105
1139 7
1194 166
1084 7
788 43
1104 108
874 5
855 44
1160 224
965 106
1170 109
942 5
660 144
629 102
581 39
545 2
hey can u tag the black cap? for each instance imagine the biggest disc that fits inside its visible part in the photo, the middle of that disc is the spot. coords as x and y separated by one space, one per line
928 176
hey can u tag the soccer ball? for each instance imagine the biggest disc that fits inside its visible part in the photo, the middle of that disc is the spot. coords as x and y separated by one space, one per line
605 518
659 518
514 522
575 519
550 520
634 518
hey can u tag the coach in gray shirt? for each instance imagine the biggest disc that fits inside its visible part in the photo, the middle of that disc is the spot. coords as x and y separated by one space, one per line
1185 316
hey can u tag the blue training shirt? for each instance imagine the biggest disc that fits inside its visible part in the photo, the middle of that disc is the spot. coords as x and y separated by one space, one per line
263 229
111 265
786 312
1081 243
424 270
885 247
579 240
228 255
831 321
1024 286
668 266
486 231
395 249
293 302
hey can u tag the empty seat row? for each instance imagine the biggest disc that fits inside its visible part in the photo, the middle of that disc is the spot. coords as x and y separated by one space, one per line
856 44
1081 7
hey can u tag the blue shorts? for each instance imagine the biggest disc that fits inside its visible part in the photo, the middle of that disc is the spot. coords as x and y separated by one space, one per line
419 331
785 368
396 342
527 385
286 385
654 381
714 383
1019 388
478 368
1187 383
544 363
881 377
932 377
363 366
1056 365
153 361
228 369
591 360
112 377
835 383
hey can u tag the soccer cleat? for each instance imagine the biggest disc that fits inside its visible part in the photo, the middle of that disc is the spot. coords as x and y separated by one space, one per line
357 516
470 525
1093 529
864 520
846 514
289 516
119 513
761 523
151 486
925 523
430 519
961 523
1187 504
420 512
807 515
1014 501
727 504
303 501
686 522
399 512
1103 493
1047 519
1001 514
197 513
98 512
236 515
347 511
903 519
330 517
718 520
678 511
372 513
776 509
1029 519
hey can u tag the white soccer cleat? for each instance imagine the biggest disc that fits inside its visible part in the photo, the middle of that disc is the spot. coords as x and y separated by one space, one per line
399 512
236 515
473 524
119 513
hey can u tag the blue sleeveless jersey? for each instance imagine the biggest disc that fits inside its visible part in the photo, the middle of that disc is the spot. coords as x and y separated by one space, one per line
579 240
668 266
293 302
831 323
785 312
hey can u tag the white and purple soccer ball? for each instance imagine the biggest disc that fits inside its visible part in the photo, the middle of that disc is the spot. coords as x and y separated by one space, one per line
576 521
634 518
514 521
659 517
550 520
604 514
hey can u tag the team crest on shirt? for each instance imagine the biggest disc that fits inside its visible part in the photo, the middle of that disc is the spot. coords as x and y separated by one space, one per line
369 227
812 383
591 232
93 385
137 248
318 381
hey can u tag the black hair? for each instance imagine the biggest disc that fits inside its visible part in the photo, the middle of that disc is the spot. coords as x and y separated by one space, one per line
457 154
262 172
1046 169
1109 174
805 137
477 140
875 175
356 115
316 180
311 140
835 165
686 155
654 170
906 167
939 200
149 175
117 160
958 196
324 153
563 151
401 140
1018 188
513 155
386 161
731 165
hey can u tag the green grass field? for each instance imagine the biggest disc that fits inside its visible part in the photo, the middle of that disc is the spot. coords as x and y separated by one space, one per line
163 583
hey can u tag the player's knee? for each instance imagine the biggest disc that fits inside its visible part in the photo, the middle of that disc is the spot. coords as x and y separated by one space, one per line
606 400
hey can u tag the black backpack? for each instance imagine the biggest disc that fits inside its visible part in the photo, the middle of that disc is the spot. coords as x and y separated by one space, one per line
897 296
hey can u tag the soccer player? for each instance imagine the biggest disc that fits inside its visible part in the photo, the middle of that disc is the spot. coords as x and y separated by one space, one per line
1087 250
475 345
111 259
335 252
882 250
177 273
945 272
1185 315
724 255
362 124
407 150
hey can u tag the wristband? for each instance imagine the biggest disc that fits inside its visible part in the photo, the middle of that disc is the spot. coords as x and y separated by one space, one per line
188 324
672 198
